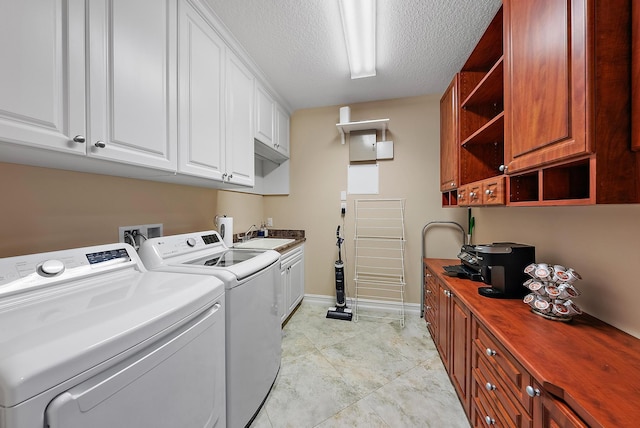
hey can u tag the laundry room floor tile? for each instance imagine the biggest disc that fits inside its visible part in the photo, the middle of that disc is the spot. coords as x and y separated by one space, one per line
370 373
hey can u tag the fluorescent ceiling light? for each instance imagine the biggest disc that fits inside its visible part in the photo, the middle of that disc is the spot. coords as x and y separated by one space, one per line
359 25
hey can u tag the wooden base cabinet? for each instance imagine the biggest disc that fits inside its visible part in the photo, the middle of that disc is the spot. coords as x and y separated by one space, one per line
493 386
449 324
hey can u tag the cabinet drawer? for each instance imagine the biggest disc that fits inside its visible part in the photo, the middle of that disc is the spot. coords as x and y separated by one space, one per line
513 375
483 414
493 191
487 382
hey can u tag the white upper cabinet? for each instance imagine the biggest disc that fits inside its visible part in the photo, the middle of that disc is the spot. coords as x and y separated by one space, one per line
282 131
43 74
132 82
272 127
265 110
239 122
201 63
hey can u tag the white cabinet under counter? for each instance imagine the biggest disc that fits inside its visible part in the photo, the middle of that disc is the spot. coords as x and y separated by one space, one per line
291 281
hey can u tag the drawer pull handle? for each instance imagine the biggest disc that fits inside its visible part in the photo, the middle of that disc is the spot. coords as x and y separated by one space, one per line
428 307
490 352
490 386
532 392
489 420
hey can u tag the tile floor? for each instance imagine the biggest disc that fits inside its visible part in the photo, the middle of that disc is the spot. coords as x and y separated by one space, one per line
372 373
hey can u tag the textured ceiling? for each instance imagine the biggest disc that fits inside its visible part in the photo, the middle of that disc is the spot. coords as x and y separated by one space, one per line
299 47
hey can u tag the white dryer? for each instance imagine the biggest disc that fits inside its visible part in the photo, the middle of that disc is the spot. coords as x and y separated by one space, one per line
254 334
90 338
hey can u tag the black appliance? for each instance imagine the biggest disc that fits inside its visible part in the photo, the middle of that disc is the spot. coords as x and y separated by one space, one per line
500 265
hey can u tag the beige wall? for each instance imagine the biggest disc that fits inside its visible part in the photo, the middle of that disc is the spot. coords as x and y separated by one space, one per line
599 242
246 209
319 172
45 209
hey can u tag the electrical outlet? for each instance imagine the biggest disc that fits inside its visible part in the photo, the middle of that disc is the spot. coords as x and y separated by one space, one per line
139 233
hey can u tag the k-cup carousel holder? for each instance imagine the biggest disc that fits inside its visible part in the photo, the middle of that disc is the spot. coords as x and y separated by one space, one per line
552 291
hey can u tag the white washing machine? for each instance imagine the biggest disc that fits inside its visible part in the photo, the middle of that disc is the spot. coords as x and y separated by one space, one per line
90 338
254 335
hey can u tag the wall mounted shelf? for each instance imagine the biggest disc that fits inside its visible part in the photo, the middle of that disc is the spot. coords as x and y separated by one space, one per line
378 125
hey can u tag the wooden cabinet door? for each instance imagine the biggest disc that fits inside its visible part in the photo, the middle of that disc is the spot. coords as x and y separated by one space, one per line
460 355
442 342
545 81
42 93
201 96
555 414
449 139
132 82
635 75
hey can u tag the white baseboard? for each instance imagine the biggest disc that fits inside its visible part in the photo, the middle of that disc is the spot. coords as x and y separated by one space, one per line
368 304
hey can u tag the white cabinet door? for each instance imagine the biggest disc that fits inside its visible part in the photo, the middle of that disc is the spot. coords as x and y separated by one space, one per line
284 286
265 110
201 132
296 283
239 122
42 76
282 131
132 82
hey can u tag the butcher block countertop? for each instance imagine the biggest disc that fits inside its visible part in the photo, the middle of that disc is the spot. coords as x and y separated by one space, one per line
591 365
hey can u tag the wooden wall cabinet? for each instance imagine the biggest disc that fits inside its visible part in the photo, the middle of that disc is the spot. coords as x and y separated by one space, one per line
545 97
449 143
635 75
567 102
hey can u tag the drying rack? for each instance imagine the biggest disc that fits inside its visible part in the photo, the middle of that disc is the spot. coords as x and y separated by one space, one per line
379 251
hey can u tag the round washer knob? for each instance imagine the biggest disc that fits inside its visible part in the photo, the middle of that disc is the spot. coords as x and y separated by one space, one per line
191 242
52 268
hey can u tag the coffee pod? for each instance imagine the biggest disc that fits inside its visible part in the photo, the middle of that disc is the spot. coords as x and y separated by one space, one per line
559 268
560 310
552 291
542 305
572 308
536 286
543 272
529 298
560 276
573 276
567 291
531 270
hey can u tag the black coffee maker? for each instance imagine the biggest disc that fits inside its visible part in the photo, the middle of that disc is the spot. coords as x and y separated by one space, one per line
502 267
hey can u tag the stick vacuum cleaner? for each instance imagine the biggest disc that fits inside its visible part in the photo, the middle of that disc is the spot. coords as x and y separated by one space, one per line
340 311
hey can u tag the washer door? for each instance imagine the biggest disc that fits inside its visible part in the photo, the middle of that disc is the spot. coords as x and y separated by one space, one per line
177 381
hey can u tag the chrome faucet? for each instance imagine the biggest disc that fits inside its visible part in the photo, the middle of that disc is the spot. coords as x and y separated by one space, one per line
246 235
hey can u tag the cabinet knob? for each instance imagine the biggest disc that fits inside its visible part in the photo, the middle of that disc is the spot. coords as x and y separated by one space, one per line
230 176
490 352
489 420
489 386
429 275
427 307
488 192
428 323
79 139
532 392
453 184
100 144
428 291
224 176
503 168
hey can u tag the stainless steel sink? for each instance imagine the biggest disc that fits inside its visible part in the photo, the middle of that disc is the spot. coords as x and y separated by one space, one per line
263 243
